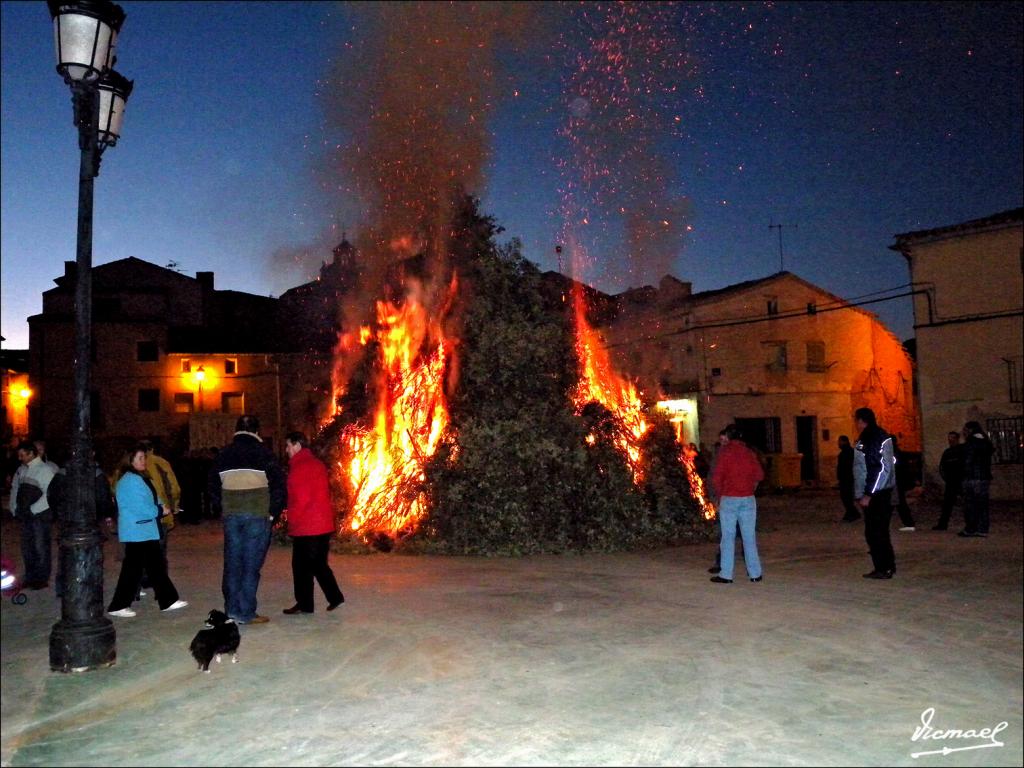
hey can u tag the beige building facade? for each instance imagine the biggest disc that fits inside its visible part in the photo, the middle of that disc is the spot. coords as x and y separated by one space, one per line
786 360
968 310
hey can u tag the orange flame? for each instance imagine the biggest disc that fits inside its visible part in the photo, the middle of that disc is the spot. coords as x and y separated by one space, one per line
600 383
688 457
385 465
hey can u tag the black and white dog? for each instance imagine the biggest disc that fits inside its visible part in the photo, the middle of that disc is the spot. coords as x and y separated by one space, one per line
219 636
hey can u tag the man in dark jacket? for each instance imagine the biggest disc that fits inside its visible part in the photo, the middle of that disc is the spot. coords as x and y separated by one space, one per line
248 487
844 474
978 451
874 477
951 470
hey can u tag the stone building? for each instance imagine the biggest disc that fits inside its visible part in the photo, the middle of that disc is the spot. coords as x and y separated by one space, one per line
173 359
968 305
786 360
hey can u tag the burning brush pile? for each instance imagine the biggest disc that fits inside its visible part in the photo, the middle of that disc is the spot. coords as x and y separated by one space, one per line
474 410
496 424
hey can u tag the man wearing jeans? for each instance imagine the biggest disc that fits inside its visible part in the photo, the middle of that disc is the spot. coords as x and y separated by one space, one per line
734 479
248 487
30 506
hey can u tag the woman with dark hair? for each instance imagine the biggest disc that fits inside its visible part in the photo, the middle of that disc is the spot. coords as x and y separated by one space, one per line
977 453
311 525
137 514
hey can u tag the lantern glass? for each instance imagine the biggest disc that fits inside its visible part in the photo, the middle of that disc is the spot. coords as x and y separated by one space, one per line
113 91
83 46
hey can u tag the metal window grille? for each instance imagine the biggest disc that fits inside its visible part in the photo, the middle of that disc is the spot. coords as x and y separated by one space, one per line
1013 374
1007 436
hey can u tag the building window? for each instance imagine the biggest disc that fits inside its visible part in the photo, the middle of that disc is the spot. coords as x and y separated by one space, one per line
775 356
716 371
816 357
232 402
773 306
1013 375
147 352
106 307
1006 435
765 434
812 308
230 366
149 400
183 402
186 365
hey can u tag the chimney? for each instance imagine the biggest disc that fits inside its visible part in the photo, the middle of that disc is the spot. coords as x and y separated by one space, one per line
205 280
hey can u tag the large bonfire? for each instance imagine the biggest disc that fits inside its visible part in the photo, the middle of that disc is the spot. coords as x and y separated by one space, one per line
418 447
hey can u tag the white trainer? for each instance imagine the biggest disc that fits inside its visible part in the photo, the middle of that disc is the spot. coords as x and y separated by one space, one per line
176 605
908 528
125 613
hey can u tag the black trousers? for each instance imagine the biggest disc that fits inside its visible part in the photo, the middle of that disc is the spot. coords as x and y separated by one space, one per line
309 561
906 518
949 496
876 530
142 556
850 511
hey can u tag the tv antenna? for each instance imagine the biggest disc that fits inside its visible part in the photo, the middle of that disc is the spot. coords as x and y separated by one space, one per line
779 227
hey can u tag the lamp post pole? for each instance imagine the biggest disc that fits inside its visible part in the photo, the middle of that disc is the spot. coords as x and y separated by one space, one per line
84 638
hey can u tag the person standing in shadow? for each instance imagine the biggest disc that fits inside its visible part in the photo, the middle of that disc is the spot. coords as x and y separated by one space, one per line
844 474
904 483
951 470
978 450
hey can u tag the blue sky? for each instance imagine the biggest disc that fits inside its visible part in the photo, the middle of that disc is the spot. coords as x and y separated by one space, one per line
852 122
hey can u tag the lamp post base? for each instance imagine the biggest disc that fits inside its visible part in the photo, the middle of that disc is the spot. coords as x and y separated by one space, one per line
84 638
80 647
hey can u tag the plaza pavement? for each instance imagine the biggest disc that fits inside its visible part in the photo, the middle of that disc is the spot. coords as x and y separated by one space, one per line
623 659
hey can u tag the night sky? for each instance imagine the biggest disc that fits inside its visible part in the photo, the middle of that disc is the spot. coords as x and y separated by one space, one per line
659 137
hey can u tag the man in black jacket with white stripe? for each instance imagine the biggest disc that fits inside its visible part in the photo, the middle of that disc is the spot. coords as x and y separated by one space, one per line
874 477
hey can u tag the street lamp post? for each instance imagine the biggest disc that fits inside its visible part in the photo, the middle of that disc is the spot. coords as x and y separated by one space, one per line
85 33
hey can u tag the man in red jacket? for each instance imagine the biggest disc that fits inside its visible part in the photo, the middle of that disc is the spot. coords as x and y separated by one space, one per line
734 479
310 524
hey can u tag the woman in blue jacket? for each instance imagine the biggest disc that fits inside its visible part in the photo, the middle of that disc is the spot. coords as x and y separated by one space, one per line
137 513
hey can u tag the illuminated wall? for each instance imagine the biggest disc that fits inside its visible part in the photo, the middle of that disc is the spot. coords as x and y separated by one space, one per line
969 333
779 348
